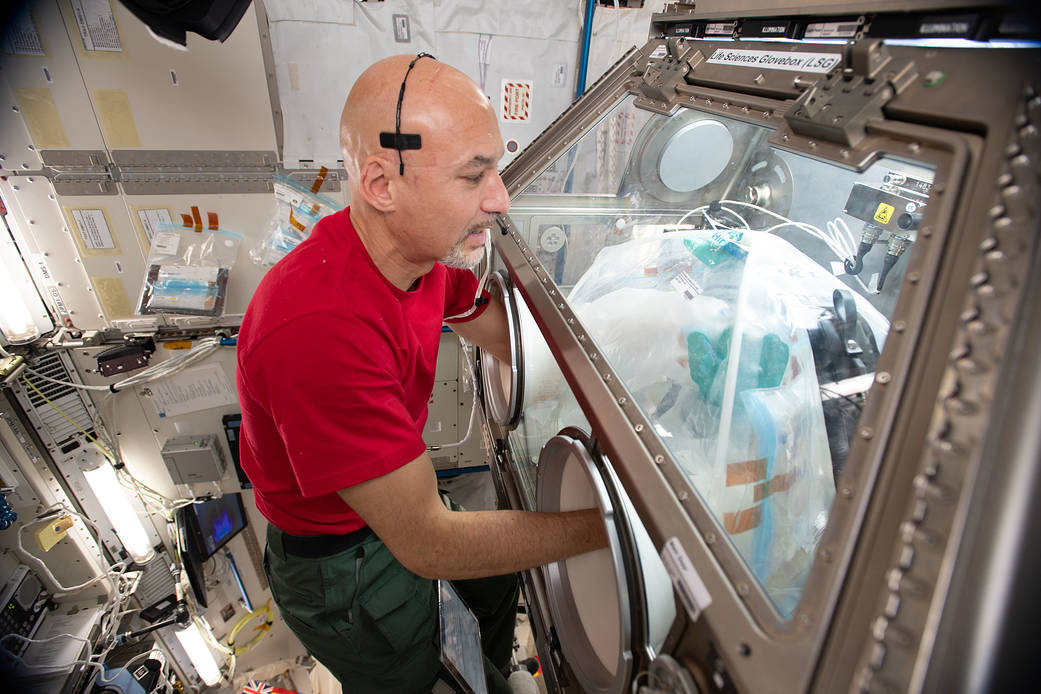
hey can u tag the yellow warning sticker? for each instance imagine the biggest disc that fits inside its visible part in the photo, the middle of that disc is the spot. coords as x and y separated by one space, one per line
884 213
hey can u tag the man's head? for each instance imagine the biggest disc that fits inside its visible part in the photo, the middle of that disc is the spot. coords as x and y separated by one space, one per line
450 191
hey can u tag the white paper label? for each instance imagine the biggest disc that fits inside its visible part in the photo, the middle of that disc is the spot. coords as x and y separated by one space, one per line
191 391
20 35
93 229
777 60
691 589
720 28
50 284
97 25
685 284
152 218
516 100
165 243
831 30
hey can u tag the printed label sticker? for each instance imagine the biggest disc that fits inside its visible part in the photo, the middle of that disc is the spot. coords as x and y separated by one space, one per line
516 100
777 60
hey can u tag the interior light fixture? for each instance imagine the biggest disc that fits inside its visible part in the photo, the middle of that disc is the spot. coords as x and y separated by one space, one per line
113 500
23 316
199 653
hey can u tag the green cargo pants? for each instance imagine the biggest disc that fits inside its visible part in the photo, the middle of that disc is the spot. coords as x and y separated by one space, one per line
373 623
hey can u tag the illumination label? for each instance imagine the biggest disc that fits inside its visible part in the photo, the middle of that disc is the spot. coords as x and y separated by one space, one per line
776 60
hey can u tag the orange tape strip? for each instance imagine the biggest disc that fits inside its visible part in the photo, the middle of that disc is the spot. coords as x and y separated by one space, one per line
187 220
197 218
214 221
315 187
775 485
292 220
743 521
319 179
746 473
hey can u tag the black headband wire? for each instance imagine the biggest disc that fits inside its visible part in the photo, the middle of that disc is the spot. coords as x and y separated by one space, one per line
398 140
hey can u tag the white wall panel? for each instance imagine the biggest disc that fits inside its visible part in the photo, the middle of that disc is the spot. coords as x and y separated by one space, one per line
151 96
43 95
46 243
615 32
318 60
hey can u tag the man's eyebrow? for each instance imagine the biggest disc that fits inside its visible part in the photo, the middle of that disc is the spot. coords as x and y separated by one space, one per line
478 162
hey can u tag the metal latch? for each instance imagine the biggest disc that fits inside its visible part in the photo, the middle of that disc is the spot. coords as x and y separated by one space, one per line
660 78
838 107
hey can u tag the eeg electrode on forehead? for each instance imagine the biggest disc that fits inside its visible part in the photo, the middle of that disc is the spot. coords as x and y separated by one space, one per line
398 140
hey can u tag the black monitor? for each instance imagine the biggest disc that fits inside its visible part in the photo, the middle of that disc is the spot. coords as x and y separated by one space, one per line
204 529
212 523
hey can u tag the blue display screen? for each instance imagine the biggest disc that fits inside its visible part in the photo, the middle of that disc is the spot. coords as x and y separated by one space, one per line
219 520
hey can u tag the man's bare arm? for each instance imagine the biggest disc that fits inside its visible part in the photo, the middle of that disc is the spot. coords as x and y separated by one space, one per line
403 508
489 331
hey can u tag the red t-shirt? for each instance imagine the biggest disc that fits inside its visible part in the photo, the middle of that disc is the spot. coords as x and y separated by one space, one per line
335 368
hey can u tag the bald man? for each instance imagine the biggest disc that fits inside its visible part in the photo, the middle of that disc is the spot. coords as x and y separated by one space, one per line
336 359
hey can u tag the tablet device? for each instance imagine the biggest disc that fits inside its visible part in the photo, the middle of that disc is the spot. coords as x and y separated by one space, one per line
460 641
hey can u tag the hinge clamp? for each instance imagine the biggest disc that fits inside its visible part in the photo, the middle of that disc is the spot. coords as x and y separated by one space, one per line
837 107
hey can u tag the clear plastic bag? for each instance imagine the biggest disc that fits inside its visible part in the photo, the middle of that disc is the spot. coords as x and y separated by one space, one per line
710 333
297 211
187 271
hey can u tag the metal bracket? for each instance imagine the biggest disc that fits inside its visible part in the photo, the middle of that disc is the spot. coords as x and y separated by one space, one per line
837 108
660 79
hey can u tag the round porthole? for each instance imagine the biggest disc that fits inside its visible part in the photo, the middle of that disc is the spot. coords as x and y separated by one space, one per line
695 155
591 596
502 382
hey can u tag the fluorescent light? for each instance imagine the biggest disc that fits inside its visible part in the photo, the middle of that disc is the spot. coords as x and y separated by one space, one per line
22 313
125 521
199 653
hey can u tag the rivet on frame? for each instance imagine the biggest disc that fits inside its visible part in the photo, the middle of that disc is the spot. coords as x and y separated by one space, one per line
581 338
844 153
899 326
684 496
710 538
594 356
607 377
560 306
882 377
914 147
742 589
659 459
866 433
826 554
622 401
913 277
847 492
638 427
926 231
570 321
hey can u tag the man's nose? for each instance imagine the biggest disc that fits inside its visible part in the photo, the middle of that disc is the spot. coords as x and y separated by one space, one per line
496 199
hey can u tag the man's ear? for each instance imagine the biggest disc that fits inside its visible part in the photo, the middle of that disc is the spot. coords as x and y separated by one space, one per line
375 185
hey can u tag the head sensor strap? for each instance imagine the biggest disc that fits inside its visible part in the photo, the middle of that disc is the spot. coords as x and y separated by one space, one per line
398 140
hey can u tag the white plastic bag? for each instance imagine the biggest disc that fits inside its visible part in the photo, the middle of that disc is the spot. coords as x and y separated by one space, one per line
187 271
297 211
